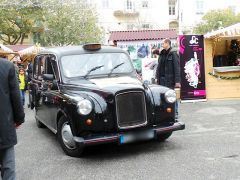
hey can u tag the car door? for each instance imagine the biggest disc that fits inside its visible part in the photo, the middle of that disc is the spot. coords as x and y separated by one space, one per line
39 89
50 94
35 85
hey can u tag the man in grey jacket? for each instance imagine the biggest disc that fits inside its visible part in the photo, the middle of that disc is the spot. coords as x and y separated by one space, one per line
11 116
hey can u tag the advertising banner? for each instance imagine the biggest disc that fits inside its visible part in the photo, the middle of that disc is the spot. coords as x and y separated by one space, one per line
191 53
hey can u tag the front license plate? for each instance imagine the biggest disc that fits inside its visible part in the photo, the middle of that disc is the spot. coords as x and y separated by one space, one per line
136 136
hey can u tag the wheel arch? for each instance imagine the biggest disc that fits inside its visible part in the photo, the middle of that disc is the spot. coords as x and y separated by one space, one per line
59 115
62 113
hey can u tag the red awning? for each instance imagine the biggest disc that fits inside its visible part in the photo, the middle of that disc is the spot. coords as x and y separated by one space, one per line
18 47
143 35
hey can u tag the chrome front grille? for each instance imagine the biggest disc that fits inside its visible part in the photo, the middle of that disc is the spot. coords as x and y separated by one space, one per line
131 109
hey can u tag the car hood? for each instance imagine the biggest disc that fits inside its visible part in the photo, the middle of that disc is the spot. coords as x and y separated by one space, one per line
115 84
104 86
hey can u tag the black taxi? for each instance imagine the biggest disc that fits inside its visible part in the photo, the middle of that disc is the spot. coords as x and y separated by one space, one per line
91 94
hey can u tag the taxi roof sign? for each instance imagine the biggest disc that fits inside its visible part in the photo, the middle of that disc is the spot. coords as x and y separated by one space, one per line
92 46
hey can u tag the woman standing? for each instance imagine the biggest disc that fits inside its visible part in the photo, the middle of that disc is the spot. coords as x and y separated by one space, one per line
23 84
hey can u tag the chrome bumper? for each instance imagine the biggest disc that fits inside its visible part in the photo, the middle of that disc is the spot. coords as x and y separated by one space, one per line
109 138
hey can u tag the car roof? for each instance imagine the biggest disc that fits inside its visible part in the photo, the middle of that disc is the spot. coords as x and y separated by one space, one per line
75 50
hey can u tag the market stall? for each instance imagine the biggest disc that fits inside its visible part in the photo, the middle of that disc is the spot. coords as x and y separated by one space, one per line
29 53
8 53
222 63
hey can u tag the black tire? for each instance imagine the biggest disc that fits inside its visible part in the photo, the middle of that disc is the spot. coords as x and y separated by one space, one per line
70 148
163 137
38 123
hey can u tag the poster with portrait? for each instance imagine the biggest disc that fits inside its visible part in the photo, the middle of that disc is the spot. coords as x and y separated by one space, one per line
191 51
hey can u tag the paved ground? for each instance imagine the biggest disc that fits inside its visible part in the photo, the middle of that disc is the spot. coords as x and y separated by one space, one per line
209 148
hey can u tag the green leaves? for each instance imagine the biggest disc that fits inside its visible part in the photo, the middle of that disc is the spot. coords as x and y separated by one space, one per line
71 23
49 22
216 19
16 22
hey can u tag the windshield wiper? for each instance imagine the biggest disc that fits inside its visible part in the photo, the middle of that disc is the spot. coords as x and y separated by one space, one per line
91 70
115 67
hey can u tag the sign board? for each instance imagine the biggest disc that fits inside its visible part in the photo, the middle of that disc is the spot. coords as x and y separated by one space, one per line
191 53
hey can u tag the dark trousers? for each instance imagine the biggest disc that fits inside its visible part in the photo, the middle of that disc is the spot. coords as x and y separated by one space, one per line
7 163
22 96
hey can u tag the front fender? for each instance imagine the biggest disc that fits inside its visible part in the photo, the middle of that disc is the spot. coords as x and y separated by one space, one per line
157 92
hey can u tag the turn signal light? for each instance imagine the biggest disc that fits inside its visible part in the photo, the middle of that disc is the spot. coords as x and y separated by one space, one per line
89 122
169 110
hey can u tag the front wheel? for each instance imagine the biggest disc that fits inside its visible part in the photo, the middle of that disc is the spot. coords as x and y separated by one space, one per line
65 138
164 136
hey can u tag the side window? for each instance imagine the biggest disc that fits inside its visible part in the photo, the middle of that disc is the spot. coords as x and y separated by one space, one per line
55 68
51 68
48 66
36 66
41 67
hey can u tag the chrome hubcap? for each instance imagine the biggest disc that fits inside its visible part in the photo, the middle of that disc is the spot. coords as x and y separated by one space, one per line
67 136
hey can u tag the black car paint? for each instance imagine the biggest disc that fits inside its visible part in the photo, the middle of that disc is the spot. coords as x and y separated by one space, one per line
103 100
50 104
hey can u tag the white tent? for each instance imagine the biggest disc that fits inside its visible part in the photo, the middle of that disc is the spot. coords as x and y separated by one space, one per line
30 50
6 49
229 31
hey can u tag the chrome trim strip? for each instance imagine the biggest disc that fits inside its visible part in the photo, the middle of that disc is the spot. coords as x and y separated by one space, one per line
96 140
176 126
115 137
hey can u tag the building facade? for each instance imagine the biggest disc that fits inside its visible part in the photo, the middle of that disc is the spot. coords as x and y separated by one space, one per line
183 15
122 15
128 15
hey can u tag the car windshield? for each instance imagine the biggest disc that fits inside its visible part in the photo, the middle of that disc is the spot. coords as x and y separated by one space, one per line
95 64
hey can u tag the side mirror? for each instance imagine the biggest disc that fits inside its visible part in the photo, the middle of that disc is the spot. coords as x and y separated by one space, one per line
48 77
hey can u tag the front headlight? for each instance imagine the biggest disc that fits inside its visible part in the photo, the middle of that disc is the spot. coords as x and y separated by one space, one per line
84 107
170 96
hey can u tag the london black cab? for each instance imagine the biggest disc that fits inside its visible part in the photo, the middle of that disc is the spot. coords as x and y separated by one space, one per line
90 94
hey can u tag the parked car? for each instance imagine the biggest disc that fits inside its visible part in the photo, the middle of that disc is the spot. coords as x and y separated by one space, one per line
90 95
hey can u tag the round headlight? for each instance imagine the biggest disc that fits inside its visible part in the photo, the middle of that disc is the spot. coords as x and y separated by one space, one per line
84 107
170 96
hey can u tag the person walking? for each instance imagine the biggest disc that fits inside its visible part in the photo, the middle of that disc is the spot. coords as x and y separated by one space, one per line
168 69
23 84
11 117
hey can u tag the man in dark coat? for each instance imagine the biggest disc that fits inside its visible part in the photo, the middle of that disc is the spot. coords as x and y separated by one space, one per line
168 69
11 116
